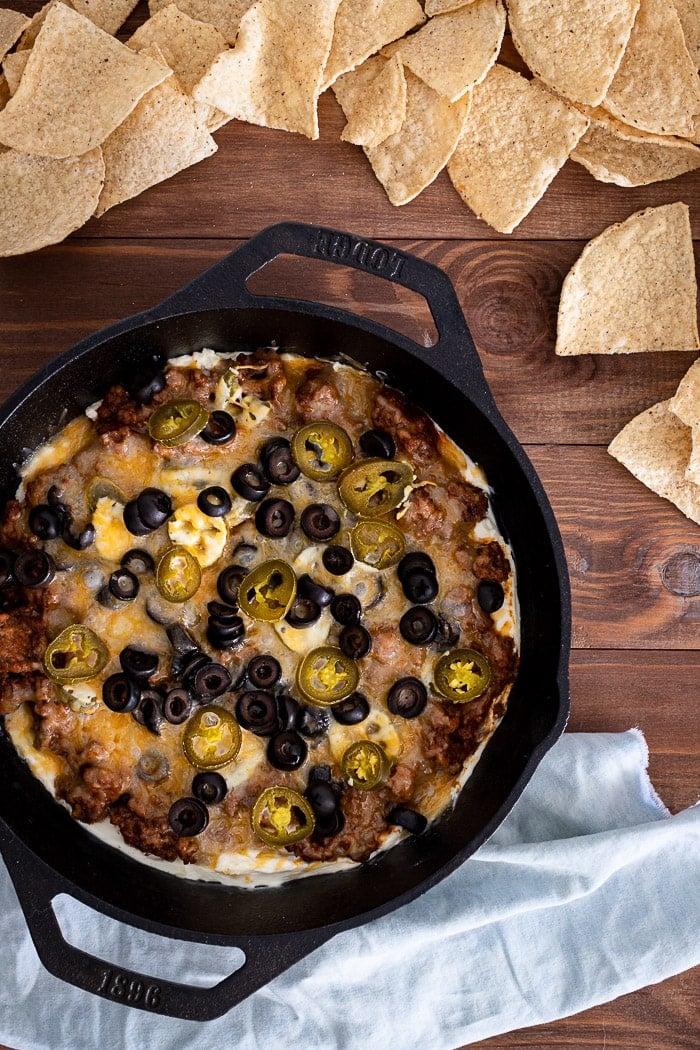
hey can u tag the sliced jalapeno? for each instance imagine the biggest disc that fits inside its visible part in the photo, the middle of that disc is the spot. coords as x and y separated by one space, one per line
322 450
268 591
178 574
99 488
377 543
462 675
177 421
364 764
75 654
282 816
326 675
212 737
375 486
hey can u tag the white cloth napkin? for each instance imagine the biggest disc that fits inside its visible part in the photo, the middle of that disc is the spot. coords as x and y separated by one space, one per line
590 889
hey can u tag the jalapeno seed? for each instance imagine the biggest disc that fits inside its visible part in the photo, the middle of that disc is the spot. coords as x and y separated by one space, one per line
264 671
407 697
220 428
120 693
249 482
209 787
320 521
274 518
187 817
418 625
286 750
214 501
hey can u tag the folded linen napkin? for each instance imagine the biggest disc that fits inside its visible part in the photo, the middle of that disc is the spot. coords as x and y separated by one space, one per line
590 889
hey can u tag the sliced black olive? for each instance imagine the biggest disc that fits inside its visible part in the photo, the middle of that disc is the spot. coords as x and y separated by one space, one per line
420 586
33 568
337 560
312 721
333 825
322 799
221 614
414 560
257 711
352 710
286 750
320 521
227 637
355 641
123 585
138 561
188 816
303 613
149 712
418 625
210 680
490 595
264 671
144 387
11 598
7 562
245 553
378 443
220 428
274 518
45 521
407 697
182 642
277 462
209 787
308 588
138 663
249 482
177 706
154 507
346 609
321 772
121 693
152 766
78 541
408 819
288 708
132 520
228 582
446 636
214 501
191 665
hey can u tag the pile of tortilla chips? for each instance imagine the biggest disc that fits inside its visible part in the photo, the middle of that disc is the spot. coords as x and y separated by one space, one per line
614 86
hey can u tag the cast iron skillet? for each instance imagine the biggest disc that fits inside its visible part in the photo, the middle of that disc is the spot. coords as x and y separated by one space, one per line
48 853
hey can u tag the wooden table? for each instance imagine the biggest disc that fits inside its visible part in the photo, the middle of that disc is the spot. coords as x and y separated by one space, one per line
634 559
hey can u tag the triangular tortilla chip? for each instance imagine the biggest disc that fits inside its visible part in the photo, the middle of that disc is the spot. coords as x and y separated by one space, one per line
12 25
685 403
362 27
574 46
656 447
373 98
633 288
13 67
78 85
44 199
159 138
615 152
517 138
226 15
689 14
454 52
656 87
273 75
441 7
26 41
692 471
410 160
109 15
5 93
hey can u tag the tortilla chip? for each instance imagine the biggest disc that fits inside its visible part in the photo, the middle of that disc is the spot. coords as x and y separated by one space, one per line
615 152
109 15
633 288
656 87
685 403
13 68
517 138
689 14
408 161
441 7
373 99
45 199
454 52
656 447
189 47
26 41
78 85
273 75
159 138
225 15
12 25
5 93
574 46
692 471
363 27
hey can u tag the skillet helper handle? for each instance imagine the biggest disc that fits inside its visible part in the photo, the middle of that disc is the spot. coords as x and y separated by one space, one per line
36 886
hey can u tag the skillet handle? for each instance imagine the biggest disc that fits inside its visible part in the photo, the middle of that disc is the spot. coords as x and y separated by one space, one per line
37 885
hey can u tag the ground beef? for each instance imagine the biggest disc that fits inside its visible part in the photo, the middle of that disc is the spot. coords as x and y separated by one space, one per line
92 791
23 637
365 820
12 530
150 835
267 380
53 722
423 517
490 563
474 503
415 434
18 689
318 397
119 411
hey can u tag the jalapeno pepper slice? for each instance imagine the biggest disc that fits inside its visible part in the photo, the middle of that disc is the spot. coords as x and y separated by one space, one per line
268 591
322 450
178 574
462 675
326 675
364 764
212 737
282 816
377 543
375 486
99 488
177 421
75 654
